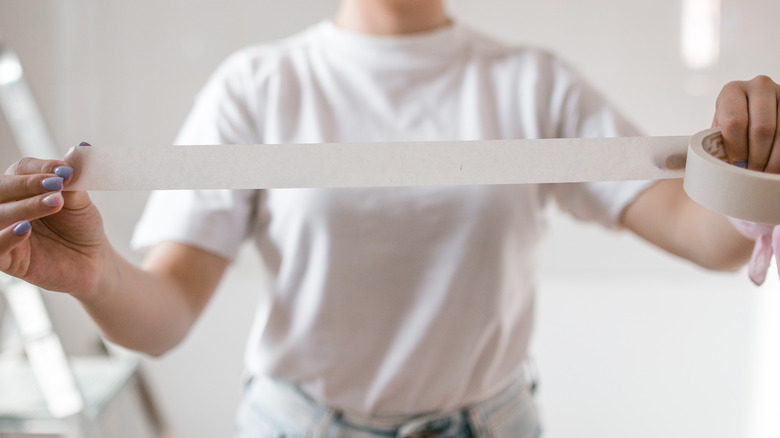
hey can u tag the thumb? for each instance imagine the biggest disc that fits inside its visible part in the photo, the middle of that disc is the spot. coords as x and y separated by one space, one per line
75 199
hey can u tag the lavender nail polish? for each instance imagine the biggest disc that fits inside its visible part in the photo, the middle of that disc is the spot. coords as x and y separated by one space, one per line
741 164
63 172
22 228
53 183
84 143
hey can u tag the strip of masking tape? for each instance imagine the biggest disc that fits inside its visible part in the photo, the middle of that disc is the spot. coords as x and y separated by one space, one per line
713 183
375 164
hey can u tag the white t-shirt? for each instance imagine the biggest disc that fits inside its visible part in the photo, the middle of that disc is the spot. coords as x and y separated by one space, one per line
389 300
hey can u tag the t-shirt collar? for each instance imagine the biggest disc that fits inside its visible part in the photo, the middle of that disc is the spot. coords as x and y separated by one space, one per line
402 51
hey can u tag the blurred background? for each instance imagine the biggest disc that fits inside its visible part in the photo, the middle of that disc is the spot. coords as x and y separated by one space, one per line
629 341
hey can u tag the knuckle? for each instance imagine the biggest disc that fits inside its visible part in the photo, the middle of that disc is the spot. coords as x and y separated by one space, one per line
733 122
6 188
18 187
13 168
33 184
20 165
23 209
6 215
30 165
763 81
733 87
26 163
763 130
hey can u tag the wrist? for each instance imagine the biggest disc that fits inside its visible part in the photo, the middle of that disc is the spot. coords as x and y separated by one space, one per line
106 279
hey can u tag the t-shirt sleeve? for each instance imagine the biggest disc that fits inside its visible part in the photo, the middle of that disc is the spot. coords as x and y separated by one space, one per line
583 112
215 220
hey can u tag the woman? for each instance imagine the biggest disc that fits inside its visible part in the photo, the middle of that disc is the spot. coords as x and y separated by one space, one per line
393 311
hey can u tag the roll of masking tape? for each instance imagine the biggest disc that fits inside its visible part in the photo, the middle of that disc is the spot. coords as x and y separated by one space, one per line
711 182
728 189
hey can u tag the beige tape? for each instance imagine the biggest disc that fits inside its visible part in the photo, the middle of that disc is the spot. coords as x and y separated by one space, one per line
375 164
728 189
717 185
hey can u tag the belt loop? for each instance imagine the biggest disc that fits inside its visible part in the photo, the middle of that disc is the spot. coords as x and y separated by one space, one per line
531 375
477 423
321 428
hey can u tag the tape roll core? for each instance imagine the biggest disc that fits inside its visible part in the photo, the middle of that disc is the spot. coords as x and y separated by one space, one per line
726 188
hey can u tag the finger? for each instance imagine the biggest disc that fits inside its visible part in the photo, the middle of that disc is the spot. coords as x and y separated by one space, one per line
30 166
75 160
75 199
773 166
30 208
762 108
11 237
17 187
731 116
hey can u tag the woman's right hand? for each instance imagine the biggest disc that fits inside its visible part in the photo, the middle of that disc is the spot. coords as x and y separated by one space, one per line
50 237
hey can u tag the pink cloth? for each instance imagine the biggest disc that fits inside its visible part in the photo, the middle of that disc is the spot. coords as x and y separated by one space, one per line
767 238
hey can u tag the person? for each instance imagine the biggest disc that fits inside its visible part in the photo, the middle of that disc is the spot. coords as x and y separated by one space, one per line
390 311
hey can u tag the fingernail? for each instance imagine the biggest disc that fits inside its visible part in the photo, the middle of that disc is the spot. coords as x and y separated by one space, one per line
63 172
741 164
53 200
52 183
84 143
22 228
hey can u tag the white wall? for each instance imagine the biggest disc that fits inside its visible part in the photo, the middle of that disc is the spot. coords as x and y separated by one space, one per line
630 342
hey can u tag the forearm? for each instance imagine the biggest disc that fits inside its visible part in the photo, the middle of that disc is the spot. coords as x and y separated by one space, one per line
136 308
665 216
151 308
708 239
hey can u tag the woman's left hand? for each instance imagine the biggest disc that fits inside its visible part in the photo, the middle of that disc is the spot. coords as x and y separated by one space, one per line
748 115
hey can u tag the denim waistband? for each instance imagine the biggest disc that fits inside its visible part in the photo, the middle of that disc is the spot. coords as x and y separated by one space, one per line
467 421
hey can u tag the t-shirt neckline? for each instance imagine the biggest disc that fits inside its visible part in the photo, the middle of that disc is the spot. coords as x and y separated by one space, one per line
428 48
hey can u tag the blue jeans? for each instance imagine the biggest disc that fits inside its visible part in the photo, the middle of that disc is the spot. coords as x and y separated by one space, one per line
274 408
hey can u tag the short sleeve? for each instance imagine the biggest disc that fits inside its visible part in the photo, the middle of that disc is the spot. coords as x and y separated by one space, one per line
215 220
585 113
